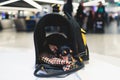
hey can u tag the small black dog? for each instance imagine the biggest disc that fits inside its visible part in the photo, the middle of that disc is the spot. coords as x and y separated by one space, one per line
65 51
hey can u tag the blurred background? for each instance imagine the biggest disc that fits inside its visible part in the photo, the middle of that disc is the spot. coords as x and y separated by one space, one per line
18 19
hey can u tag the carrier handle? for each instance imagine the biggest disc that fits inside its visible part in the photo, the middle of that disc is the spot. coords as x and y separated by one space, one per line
59 74
48 75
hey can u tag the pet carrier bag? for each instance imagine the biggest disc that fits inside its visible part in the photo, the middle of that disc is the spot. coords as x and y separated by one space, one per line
66 33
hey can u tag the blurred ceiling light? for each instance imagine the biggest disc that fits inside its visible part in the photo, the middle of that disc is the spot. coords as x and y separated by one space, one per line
116 0
7 2
51 1
31 2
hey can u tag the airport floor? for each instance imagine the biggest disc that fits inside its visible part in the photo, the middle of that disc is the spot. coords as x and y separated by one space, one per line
17 56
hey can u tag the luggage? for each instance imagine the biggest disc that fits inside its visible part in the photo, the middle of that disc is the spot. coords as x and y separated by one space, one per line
99 27
70 39
99 23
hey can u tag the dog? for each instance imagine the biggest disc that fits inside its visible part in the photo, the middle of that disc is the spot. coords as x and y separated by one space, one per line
65 53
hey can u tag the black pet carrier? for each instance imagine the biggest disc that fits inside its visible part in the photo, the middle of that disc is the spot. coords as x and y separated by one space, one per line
64 32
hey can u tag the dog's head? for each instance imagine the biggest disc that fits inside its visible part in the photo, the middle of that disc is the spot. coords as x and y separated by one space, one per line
65 50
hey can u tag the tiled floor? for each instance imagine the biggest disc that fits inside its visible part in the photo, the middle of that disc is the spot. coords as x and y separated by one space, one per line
17 55
106 44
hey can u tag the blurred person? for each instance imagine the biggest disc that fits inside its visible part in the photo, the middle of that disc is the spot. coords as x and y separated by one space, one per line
80 16
101 10
100 18
90 22
68 7
6 15
118 19
1 28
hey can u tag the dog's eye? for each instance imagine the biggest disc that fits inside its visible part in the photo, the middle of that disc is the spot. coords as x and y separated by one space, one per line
65 52
71 51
